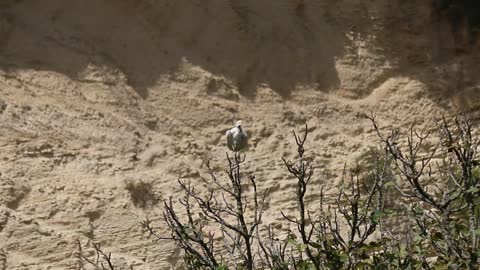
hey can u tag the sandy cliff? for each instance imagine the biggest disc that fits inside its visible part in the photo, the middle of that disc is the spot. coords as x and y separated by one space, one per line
99 95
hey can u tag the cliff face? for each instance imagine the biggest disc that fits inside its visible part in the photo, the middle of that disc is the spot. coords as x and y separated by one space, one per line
99 96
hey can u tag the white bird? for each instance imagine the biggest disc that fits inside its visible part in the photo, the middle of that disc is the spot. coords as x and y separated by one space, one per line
237 138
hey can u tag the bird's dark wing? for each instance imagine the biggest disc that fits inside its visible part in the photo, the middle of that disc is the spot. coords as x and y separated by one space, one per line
229 140
242 140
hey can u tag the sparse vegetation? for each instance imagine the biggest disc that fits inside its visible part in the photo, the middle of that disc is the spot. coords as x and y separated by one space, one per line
435 183
227 204
142 193
98 259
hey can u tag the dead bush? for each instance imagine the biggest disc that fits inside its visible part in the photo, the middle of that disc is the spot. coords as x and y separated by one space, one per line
141 193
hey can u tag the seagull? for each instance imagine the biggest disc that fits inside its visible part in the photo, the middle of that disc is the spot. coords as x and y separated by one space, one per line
237 138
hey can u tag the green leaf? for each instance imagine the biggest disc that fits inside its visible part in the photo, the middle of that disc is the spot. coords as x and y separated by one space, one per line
402 253
417 239
418 210
301 247
473 190
344 258
389 213
292 239
376 215
418 250
316 245
304 265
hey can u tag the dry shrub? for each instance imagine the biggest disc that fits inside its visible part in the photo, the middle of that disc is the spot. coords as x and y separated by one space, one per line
141 193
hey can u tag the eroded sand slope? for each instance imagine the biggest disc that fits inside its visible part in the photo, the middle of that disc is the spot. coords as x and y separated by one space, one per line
98 94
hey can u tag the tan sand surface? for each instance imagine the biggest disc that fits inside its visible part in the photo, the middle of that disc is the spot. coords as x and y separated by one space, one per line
99 94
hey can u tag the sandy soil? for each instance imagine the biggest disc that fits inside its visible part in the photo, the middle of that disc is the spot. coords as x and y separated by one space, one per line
99 95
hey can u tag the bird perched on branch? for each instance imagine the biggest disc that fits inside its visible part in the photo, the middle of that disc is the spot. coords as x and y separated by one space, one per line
237 138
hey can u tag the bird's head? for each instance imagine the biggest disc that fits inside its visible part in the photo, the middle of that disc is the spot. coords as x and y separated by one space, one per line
238 124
